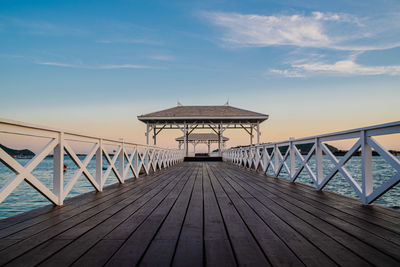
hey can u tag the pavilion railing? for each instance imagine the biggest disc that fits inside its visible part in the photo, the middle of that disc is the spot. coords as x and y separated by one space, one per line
269 156
126 156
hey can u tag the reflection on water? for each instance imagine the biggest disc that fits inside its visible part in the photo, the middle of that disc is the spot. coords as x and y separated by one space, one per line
25 198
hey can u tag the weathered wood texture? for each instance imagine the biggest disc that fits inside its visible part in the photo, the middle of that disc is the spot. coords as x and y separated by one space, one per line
204 213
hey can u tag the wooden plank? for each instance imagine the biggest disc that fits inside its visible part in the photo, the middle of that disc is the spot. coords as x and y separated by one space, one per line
345 229
4 243
367 252
125 229
279 220
76 205
245 247
132 250
299 197
32 256
277 252
189 250
99 254
24 246
370 213
79 246
382 228
161 249
70 202
75 214
367 213
217 247
304 240
351 204
81 228
42 251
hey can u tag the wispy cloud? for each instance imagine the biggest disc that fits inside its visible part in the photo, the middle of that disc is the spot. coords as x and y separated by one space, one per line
291 73
105 67
130 41
162 57
58 64
316 30
37 27
124 66
347 67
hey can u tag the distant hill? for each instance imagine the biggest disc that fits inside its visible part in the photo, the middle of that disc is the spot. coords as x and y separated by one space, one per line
17 153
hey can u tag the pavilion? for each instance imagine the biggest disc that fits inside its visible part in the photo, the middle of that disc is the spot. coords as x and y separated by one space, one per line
201 138
190 118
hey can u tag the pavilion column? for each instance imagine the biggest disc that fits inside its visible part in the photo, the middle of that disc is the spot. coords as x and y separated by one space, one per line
147 133
155 136
258 133
219 140
185 139
251 135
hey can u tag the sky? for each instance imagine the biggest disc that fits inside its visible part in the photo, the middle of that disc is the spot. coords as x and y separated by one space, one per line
92 66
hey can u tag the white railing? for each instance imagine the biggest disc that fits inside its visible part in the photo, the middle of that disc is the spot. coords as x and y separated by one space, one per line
130 156
263 157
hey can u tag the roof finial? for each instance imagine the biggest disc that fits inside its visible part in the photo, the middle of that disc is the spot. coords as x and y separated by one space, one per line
179 103
227 102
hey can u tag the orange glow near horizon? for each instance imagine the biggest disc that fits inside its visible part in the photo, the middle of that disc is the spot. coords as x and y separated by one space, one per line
271 131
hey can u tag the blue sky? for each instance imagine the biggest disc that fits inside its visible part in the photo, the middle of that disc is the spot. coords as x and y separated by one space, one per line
313 66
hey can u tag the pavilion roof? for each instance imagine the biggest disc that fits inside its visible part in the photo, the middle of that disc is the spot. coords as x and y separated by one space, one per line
202 137
203 114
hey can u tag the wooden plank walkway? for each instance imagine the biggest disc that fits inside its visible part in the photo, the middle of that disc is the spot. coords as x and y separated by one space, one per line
204 213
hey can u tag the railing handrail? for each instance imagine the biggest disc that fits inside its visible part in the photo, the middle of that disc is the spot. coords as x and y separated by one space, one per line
258 157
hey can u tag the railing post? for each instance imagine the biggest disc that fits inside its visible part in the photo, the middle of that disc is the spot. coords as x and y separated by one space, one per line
276 160
58 169
318 163
99 165
121 161
366 165
136 161
292 158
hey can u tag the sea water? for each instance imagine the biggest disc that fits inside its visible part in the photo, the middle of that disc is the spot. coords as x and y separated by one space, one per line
25 197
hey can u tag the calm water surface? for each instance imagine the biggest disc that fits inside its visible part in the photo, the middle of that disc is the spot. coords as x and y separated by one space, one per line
25 198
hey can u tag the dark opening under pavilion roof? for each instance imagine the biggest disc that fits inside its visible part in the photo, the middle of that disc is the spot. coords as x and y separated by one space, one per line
202 137
189 114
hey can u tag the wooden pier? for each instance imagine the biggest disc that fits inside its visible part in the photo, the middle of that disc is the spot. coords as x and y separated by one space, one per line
204 213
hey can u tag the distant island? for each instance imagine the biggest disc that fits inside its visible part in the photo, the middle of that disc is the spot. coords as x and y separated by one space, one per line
305 148
15 153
